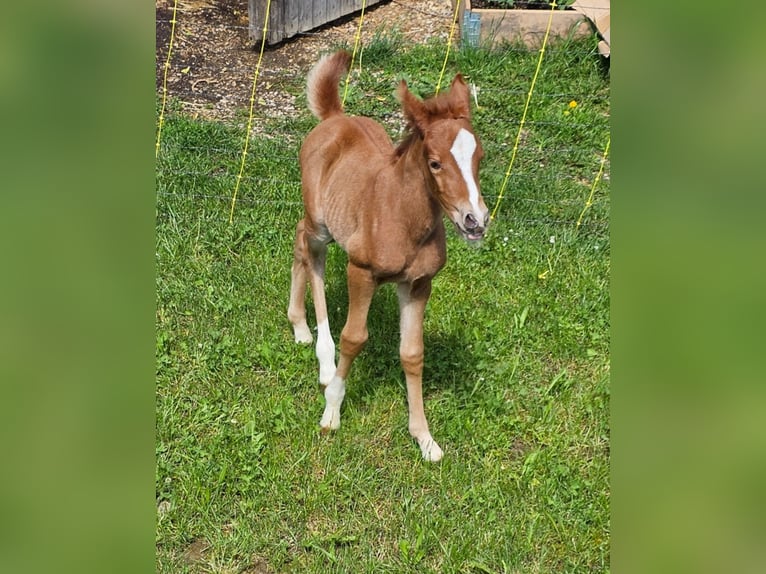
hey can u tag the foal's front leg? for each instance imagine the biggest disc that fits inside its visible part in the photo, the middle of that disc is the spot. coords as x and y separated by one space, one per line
412 305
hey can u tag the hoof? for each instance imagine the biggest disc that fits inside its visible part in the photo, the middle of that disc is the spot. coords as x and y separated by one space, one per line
431 451
330 420
302 334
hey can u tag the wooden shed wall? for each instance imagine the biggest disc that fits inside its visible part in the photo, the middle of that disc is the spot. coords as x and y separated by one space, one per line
290 17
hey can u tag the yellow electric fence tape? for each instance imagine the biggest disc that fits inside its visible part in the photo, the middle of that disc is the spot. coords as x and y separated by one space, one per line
595 181
250 116
449 45
165 81
357 39
524 114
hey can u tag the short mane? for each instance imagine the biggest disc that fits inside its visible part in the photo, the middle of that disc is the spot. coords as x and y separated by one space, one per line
406 143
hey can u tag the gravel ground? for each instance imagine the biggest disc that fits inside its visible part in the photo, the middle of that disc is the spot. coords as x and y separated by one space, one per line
213 62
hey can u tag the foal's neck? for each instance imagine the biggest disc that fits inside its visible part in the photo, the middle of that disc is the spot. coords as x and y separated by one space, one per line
418 207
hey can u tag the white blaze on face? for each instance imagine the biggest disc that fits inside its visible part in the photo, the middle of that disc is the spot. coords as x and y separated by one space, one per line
462 150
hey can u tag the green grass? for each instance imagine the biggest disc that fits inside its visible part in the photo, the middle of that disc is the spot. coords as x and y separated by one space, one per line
516 378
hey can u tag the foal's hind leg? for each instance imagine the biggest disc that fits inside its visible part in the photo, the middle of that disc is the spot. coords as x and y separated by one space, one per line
315 250
361 287
296 312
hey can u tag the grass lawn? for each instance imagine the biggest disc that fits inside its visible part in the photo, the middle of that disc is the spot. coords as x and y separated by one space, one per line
516 379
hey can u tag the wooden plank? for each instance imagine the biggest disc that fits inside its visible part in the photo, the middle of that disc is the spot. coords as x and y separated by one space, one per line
322 11
346 7
255 17
333 11
294 18
256 10
527 26
308 20
276 22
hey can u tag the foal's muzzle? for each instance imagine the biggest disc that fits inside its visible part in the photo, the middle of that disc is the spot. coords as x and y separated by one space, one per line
472 229
470 222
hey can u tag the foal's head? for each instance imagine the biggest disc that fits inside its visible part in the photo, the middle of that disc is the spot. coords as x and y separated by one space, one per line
452 153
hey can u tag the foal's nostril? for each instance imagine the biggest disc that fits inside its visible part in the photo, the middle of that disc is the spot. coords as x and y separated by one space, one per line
470 222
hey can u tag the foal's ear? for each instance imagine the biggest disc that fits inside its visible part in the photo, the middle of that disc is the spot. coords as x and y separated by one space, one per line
414 111
460 99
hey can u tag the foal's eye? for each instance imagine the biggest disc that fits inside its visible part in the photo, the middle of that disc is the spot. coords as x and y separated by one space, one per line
434 165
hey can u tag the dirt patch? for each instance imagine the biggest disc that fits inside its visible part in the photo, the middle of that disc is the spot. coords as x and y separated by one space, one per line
213 61
195 552
257 566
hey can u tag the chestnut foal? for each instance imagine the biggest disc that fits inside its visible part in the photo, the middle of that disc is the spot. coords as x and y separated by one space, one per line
383 205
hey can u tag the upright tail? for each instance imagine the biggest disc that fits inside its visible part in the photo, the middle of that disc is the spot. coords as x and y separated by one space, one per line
322 84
